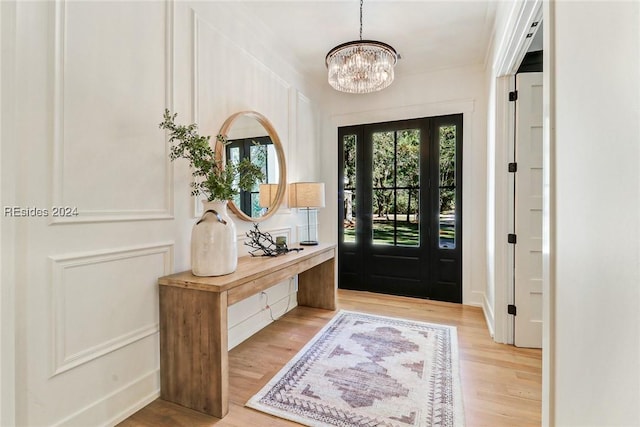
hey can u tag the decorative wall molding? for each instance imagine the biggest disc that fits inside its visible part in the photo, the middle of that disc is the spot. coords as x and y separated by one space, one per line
148 385
293 149
62 361
195 99
58 115
306 137
195 80
198 24
195 76
302 98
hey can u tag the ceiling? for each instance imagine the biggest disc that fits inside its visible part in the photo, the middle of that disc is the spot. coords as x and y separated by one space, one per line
429 35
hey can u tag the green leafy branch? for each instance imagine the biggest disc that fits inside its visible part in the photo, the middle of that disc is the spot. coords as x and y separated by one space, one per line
212 178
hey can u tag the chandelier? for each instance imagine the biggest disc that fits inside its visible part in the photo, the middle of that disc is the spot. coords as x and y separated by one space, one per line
361 66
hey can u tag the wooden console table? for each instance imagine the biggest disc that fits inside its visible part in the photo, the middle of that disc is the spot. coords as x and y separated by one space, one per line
194 364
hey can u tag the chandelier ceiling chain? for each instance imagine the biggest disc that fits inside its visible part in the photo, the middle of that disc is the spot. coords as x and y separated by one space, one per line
361 1
361 66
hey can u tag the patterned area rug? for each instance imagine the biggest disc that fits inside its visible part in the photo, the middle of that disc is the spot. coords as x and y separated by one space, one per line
365 370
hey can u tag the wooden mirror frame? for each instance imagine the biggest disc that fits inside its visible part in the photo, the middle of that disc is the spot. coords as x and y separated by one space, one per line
282 176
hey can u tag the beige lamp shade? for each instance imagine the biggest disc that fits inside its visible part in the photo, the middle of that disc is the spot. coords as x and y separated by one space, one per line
268 194
306 195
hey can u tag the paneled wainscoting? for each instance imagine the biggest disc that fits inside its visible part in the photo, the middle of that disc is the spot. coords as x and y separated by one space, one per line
501 384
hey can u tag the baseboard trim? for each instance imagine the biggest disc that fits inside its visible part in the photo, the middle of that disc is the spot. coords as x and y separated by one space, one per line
133 409
259 320
142 391
474 298
488 315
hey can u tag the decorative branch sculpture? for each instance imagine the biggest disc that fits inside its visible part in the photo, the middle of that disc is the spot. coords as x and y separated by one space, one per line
264 242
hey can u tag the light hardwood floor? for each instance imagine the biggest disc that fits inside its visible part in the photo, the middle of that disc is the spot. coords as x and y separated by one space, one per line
501 384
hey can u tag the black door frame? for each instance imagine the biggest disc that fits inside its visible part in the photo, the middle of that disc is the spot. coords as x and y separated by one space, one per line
437 265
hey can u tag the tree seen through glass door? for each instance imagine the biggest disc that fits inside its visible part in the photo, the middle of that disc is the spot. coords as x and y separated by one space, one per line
349 173
447 186
396 187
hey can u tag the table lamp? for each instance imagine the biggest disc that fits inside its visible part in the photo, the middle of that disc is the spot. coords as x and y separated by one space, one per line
307 195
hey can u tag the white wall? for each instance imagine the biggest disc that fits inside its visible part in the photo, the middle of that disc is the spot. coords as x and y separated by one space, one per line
449 91
595 241
7 230
91 82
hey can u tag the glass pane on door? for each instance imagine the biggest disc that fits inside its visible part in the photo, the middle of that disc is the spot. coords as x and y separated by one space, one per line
408 187
349 185
396 188
447 186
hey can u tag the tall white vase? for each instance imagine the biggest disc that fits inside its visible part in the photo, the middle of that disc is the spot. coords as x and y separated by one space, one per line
214 247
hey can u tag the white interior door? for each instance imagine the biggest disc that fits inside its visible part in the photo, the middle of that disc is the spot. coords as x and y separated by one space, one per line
528 211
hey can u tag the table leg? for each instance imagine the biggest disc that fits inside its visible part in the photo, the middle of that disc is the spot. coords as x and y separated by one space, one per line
194 362
317 286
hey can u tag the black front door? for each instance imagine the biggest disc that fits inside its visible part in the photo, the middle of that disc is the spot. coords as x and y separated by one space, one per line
400 207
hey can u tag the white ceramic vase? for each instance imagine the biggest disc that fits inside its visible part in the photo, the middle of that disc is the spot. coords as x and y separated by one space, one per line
214 246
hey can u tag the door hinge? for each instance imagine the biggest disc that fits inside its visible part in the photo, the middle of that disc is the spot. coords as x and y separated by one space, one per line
511 309
513 96
513 167
512 238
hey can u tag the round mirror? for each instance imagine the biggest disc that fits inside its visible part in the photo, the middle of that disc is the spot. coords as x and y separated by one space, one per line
250 135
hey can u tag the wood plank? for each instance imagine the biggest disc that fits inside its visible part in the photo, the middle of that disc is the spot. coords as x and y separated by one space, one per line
273 277
249 269
501 384
317 286
194 364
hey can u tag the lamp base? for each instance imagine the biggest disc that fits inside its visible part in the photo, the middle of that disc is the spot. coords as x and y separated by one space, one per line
308 243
